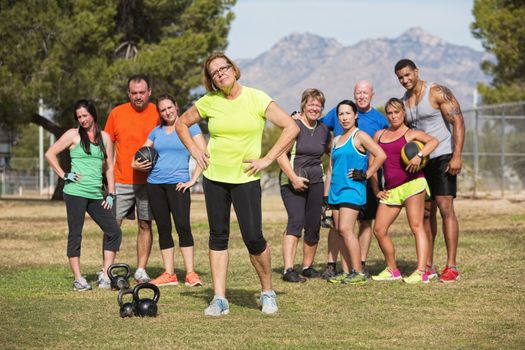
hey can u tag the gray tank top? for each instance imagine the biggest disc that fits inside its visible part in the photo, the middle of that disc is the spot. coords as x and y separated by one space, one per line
429 120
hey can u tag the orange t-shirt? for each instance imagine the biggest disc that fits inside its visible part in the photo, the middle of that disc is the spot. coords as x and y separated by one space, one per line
129 129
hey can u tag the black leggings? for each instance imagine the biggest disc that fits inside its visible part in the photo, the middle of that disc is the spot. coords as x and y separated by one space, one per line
163 200
76 208
246 199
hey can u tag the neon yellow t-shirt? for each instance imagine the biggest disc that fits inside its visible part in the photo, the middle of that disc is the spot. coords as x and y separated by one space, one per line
236 128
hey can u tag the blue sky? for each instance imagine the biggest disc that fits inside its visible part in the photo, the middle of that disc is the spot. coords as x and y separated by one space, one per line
259 24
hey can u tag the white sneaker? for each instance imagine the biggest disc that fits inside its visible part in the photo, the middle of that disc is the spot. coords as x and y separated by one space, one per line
218 306
269 303
81 285
141 276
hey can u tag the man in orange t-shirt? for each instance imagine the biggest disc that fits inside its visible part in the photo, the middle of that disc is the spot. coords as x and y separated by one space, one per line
128 126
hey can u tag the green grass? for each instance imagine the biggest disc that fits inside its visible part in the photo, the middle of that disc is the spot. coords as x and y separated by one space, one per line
482 311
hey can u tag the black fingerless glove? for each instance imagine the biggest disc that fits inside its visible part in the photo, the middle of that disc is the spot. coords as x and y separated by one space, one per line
358 175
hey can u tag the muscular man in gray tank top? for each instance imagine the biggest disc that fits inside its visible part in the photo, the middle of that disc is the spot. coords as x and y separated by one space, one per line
433 109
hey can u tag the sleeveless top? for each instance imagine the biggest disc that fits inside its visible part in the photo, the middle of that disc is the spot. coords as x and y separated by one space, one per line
89 166
342 188
393 168
428 119
306 152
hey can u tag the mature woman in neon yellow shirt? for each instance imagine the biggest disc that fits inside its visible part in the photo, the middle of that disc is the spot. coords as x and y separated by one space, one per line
236 118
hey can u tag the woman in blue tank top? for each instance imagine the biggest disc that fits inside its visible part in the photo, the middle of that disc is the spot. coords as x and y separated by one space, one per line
168 194
346 186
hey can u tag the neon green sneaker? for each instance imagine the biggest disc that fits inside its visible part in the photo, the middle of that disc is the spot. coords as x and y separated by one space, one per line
388 275
416 277
355 278
339 278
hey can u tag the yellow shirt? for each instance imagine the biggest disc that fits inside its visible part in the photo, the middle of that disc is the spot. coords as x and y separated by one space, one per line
236 128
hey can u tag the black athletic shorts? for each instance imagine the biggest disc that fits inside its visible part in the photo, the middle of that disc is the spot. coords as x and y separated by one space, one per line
369 210
346 205
440 182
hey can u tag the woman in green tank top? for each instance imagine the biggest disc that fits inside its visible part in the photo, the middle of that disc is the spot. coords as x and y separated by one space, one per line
91 152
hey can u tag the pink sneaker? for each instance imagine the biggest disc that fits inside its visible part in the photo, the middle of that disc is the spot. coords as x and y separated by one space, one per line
431 272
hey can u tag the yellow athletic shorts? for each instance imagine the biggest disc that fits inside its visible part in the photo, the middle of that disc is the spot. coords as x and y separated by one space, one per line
398 195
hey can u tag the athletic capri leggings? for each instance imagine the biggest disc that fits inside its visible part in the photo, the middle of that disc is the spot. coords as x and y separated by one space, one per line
304 211
246 199
76 208
164 200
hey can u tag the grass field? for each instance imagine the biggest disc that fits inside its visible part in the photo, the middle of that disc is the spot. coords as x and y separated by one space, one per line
485 310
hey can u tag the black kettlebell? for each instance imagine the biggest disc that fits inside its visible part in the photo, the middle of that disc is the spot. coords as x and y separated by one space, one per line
145 307
126 309
121 280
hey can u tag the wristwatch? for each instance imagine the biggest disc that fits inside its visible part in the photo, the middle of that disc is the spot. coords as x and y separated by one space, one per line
420 154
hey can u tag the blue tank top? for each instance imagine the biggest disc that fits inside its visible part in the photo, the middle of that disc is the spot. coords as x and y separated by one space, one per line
342 188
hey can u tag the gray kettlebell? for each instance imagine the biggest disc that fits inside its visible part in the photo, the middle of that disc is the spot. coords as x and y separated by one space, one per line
145 306
126 309
119 280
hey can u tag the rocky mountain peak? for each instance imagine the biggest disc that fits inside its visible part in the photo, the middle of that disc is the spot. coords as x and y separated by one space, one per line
307 42
304 60
418 35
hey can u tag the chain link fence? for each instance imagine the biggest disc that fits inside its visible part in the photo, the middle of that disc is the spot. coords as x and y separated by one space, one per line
494 151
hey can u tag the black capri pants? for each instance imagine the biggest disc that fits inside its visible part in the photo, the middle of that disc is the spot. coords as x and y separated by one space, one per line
304 211
164 200
246 199
76 208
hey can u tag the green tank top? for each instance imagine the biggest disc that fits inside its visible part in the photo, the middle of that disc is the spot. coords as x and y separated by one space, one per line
89 166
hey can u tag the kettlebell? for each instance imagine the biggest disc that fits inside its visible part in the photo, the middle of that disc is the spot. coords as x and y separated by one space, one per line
145 306
121 280
126 309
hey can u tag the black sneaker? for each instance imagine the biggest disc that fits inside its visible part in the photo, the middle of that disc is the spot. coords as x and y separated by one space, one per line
292 276
365 270
310 272
329 272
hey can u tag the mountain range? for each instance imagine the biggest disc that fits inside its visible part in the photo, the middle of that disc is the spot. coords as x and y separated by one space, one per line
300 61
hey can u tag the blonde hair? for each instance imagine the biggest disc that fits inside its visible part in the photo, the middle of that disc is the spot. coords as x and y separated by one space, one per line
313 93
395 103
207 79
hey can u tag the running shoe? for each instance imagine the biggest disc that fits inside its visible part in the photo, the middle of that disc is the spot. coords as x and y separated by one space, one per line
329 272
103 283
365 270
431 272
269 303
292 276
218 306
141 276
388 275
449 274
416 277
192 280
355 278
166 279
310 272
81 285
338 279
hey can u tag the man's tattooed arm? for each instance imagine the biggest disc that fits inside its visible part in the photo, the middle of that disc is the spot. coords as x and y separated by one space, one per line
451 112
447 102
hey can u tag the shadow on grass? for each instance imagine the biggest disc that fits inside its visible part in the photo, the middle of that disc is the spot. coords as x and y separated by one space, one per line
153 272
245 298
373 267
406 267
